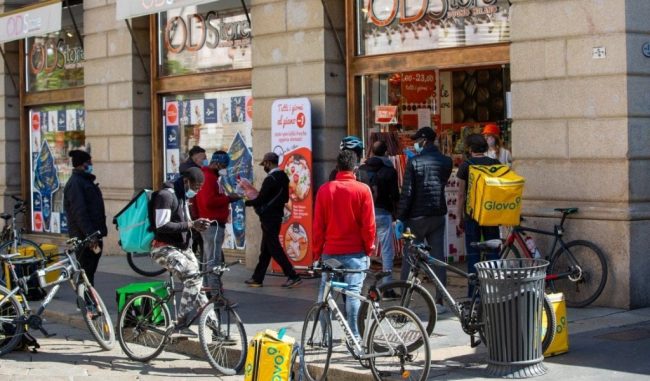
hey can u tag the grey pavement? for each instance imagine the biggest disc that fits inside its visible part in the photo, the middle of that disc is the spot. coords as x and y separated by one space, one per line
605 343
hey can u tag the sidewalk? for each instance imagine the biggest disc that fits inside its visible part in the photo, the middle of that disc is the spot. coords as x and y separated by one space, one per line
604 342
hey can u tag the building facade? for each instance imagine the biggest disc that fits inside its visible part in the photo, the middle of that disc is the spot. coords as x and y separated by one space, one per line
564 80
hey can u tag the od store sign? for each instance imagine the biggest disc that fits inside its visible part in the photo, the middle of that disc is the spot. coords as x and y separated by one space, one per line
291 140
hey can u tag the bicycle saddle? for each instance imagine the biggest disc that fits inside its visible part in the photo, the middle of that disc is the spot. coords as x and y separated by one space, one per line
566 210
5 216
491 244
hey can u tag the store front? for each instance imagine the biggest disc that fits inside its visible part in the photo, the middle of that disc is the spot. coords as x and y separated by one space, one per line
443 64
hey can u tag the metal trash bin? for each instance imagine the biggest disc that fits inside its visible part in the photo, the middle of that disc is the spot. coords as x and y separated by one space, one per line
512 297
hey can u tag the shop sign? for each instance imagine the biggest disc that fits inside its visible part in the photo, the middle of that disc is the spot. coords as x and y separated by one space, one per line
133 8
51 54
385 114
32 21
291 139
197 31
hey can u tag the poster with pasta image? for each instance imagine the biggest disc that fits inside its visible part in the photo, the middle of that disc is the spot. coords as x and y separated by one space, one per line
291 140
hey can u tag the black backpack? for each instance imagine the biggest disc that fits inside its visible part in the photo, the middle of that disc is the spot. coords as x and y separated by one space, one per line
26 341
370 178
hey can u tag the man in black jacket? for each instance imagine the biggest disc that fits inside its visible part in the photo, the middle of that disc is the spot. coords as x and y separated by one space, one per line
84 207
422 205
269 206
380 175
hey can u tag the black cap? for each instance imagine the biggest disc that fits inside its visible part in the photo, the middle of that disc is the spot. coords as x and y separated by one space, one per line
424 132
79 157
194 150
270 157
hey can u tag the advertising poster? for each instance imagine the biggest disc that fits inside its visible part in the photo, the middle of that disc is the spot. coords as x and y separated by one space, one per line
419 92
291 140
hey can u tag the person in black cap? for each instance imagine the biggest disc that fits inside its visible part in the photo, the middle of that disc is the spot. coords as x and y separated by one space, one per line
83 204
196 158
422 205
269 206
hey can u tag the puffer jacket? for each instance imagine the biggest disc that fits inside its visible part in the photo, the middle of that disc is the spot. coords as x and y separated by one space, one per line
84 205
423 188
380 175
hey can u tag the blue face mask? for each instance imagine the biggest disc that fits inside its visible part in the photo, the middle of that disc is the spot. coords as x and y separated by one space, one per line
418 147
205 163
190 193
89 168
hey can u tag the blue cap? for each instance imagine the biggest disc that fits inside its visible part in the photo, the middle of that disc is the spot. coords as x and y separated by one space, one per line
221 158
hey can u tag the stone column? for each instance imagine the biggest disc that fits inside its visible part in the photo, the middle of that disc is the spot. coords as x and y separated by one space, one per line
580 129
295 55
117 101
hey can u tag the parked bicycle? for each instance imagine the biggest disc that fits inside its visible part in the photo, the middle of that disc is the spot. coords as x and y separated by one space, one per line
11 236
395 346
412 295
145 326
578 268
16 315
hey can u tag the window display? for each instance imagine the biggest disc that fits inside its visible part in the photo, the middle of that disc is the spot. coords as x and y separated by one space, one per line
54 131
214 121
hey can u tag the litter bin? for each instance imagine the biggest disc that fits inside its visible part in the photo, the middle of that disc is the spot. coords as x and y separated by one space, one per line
512 296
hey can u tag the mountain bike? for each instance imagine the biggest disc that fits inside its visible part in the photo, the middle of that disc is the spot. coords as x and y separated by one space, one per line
412 295
11 236
578 268
17 317
145 326
395 346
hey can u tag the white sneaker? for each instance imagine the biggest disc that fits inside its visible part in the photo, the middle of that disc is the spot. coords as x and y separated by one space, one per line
441 309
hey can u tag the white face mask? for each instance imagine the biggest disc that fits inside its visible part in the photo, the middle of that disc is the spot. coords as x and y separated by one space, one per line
418 147
223 172
491 141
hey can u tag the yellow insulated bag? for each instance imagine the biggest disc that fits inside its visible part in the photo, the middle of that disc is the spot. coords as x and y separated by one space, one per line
494 195
269 357
560 343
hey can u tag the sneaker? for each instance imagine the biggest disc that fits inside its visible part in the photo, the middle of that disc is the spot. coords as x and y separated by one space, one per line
390 295
290 283
441 309
253 283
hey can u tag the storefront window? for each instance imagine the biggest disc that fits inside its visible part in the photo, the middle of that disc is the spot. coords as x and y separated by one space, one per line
215 121
210 37
54 131
390 26
55 61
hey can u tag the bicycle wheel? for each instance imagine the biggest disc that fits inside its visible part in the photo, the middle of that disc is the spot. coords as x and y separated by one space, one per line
142 326
415 298
316 341
398 330
588 266
549 322
10 311
96 315
223 339
25 247
143 264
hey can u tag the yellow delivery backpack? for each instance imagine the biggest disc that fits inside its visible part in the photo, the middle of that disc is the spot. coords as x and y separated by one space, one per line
269 357
494 195
560 343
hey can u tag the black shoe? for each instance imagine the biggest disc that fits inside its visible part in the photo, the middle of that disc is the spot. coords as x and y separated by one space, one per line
390 295
292 282
253 283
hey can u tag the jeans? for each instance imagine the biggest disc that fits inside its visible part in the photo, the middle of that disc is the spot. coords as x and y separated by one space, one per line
357 261
476 233
212 254
386 237
432 230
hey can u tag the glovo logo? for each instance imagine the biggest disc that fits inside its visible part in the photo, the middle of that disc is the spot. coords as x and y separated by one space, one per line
493 205
278 360
249 369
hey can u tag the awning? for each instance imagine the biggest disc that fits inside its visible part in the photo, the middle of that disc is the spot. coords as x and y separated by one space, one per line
127 9
29 21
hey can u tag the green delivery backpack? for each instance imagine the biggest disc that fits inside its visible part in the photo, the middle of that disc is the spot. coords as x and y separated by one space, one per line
134 224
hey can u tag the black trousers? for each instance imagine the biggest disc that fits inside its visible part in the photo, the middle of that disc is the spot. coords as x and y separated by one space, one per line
89 261
271 248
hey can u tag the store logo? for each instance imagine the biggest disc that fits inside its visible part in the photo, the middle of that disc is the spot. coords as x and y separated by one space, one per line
436 9
493 205
38 222
52 54
300 120
148 4
199 31
36 121
22 24
249 108
172 113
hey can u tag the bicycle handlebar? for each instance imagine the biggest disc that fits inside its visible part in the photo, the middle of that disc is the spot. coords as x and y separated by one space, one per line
76 243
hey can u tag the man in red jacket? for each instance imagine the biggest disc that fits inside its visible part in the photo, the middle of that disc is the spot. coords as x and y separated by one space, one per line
213 204
345 229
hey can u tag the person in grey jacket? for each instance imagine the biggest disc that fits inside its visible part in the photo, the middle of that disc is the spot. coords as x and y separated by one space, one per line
422 205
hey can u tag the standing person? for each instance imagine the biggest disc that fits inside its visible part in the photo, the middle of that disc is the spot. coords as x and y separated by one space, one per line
478 147
492 134
84 207
196 158
214 205
422 206
269 206
344 229
170 247
380 175
349 143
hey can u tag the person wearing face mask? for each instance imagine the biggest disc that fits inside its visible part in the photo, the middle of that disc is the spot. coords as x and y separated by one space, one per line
269 206
83 204
492 134
213 204
422 206
171 246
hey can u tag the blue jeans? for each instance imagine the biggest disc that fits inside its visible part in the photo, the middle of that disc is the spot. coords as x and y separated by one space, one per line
357 261
476 233
386 237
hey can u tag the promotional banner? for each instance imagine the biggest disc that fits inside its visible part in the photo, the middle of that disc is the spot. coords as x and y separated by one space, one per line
291 140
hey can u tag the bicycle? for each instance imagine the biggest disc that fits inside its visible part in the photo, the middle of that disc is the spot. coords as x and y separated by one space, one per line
395 345
145 326
415 297
16 315
11 236
578 268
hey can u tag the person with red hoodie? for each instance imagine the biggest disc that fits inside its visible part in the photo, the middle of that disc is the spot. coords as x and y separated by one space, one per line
344 228
213 204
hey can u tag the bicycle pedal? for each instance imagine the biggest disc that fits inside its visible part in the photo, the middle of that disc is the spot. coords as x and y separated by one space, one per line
475 342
